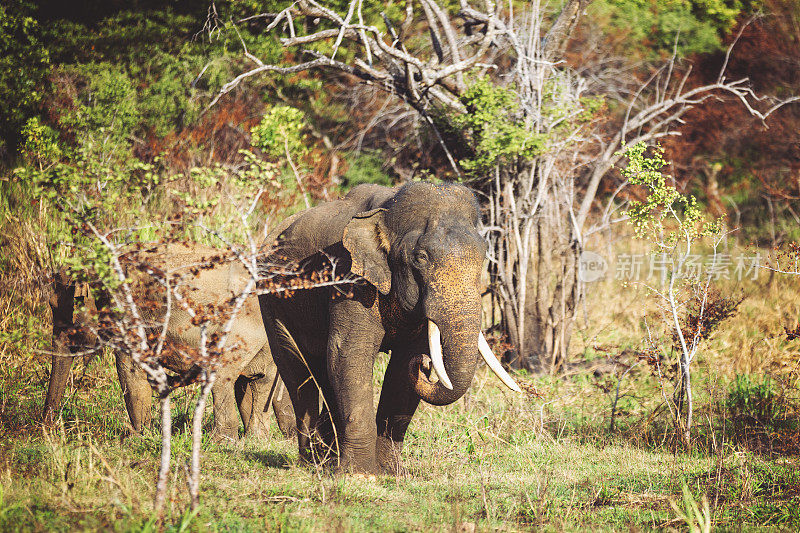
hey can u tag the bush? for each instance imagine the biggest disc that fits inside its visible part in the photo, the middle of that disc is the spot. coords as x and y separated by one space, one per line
365 167
493 126
24 65
107 111
653 27
751 404
281 129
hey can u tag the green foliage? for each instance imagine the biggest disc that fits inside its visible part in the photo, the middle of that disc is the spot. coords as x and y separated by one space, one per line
240 185
169 100
173 68
24 65
255 173
753 403
281 130
84 194
697 520
493 127
22 331
651 218
591 106
653 27
121 37
6 508
40 143
106 113
365 167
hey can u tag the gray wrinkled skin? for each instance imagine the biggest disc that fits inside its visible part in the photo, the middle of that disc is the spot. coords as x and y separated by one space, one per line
420 253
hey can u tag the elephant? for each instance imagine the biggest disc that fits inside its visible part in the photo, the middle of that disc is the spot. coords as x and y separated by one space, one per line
417 255
246 379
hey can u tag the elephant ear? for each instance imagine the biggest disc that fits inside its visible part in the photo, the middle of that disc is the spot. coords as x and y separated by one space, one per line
367 240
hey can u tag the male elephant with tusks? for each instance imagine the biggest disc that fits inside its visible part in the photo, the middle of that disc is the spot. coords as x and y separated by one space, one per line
419 250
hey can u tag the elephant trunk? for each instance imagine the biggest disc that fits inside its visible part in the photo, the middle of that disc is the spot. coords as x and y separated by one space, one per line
459 350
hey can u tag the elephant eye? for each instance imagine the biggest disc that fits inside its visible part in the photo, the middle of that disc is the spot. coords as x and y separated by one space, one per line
421 258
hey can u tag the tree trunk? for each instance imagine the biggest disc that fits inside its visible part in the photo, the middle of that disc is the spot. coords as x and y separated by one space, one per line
535 269
554 294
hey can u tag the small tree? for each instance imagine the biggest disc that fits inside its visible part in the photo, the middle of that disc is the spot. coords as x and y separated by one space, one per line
280 134
105 237
691 307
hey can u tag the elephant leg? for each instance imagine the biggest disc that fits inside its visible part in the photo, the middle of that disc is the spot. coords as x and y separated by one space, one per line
226 413
304 395
136 391
62 306
254 390
396 407
253 396
282 407
352 347
300 386
59 373
244 399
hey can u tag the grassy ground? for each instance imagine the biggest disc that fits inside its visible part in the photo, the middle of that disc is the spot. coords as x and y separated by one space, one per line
498 463
490 462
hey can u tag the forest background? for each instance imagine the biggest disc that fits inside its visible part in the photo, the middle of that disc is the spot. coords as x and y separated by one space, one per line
111 102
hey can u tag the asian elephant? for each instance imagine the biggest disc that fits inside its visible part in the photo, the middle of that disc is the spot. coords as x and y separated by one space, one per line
417 255
247 379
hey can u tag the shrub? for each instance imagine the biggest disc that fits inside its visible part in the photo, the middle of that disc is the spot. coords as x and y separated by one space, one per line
365 167
763 417
494 127
652 28
24 64
751 404
281 129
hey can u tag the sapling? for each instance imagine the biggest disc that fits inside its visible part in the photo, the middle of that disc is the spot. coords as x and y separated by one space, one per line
675 224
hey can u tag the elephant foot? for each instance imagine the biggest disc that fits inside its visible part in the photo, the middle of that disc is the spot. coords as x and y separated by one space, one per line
129 431
388 457
258 428
257 433
289 432
358 461
286 423
393 468
225 436
225 440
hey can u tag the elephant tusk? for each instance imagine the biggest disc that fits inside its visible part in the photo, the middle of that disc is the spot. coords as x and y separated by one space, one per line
435 344
495 365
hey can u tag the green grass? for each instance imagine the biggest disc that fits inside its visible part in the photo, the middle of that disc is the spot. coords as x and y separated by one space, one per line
496 464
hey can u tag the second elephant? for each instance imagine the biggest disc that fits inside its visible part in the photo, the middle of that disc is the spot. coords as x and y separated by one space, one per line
245 383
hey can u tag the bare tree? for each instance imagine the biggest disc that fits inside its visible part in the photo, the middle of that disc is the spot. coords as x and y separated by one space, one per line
538 205
144 292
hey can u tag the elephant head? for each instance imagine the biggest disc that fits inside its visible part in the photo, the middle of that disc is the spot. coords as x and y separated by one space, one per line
422 249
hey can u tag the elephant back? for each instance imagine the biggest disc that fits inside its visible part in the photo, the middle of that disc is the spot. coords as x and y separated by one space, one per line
203 286
319 227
